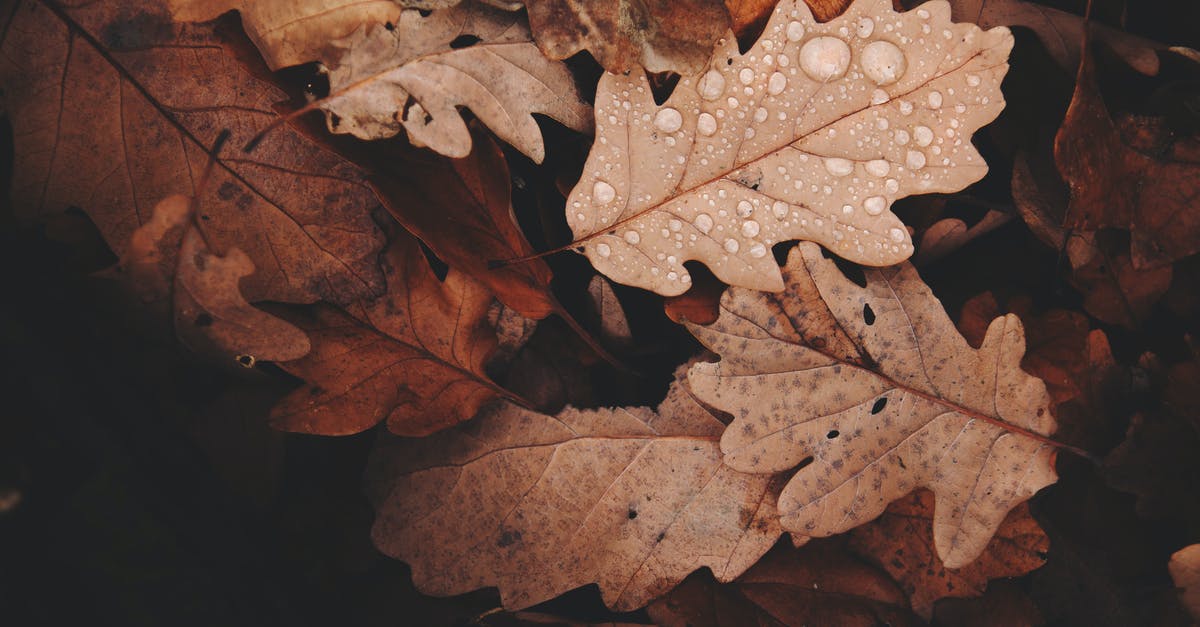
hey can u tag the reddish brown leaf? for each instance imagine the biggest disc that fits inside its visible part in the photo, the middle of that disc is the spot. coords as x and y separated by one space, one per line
1116 182
1003 605
660 36
817 584
1185 570
901 542
113 109
699 305
414 358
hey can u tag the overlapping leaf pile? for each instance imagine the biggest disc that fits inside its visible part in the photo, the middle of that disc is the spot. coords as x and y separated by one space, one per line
385 256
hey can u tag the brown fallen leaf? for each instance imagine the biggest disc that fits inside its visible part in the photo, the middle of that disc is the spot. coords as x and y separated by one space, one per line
102 125
1185 570
291 32
658 35
950 234
614 326
631 499
462 209
817 584
1004 604
811 134
901 542
701 304
415 357
1060 32
168 264
878 389
1116 180
415 74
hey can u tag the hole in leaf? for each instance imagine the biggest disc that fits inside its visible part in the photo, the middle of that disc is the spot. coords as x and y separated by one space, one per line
464 41
868 314
425 12
632 514
662 85
879 405
833 433
390 26
247 361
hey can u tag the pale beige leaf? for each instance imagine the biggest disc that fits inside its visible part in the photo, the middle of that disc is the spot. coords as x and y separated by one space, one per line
291 32
812 134
631 499
880 390
1185 571
412 77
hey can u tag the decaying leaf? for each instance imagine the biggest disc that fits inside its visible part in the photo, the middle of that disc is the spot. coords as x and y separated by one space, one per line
291 32
948 235
415 74
1185 570
659 35
169 265
101 124
614 326
876 386
901 542
813 585
414 358
1060 32
811 134
1123 176
630 498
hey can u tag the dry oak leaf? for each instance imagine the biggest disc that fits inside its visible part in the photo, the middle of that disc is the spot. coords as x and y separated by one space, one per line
415 74
631 499
809 135
901 543
1185 571
950 234
817 584
659 35
291 32
415 357
878 388
1123 177
101 124
169 265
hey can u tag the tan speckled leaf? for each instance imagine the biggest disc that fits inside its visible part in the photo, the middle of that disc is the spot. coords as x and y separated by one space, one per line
811 135
631 499
291 32
416 74
882 392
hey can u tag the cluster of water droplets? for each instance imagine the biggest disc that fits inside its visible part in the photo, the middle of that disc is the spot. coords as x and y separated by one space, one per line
717 205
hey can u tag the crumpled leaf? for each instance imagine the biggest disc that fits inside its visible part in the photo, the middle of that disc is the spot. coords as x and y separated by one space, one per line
169 265
813 585
1185 571
1131 176
101 125
415 75
629 498
659 35
414 358
812 134
878 388
1060 32
901 542
291 32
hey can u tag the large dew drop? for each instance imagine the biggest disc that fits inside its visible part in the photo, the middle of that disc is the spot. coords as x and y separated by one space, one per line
706 125
703 222
603 193
668 120
883 62
825 58
712 85
838 166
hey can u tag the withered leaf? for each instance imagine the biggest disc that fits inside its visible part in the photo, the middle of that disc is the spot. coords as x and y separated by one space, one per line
659 35
415 357
291 32
812 134
816 584
101 124
1185 570
1117 182
415 74
169 265
950 234
876 386
631 499
901 542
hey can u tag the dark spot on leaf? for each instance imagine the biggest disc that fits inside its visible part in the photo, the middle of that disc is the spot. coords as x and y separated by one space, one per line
227 190
508 538
390 26
203 320
632 514
464 41
660 537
